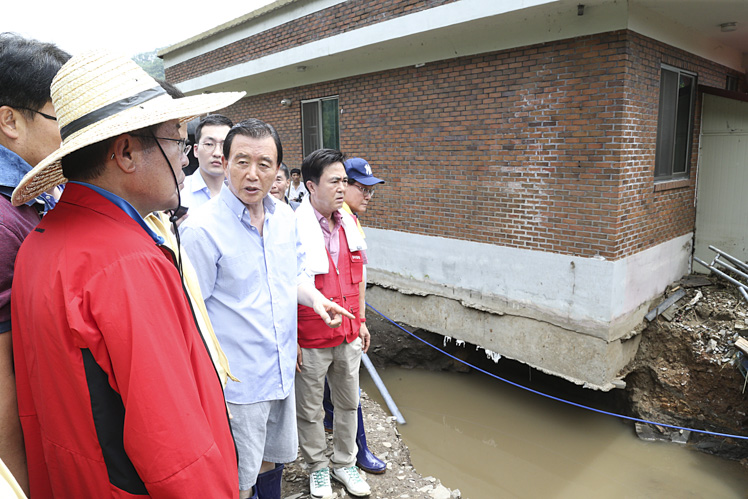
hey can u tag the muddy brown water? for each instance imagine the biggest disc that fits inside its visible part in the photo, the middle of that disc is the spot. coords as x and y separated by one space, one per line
493 440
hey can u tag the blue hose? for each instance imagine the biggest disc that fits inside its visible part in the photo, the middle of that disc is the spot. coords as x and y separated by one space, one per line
556 398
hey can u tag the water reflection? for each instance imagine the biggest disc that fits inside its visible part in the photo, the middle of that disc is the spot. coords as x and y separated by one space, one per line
492 440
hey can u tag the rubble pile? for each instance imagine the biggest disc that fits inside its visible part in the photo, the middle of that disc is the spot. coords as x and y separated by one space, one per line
686 371
715 345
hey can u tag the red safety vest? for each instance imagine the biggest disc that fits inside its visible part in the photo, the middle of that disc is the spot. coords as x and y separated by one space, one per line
341 286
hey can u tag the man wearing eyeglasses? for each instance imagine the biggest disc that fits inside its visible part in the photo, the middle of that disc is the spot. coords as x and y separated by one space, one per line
206 182
359 192
28 133
361 179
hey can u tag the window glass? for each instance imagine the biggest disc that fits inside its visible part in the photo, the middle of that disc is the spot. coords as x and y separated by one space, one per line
310 127
330 135
319 124
674 124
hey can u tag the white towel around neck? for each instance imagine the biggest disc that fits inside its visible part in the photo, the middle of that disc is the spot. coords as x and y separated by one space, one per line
313 240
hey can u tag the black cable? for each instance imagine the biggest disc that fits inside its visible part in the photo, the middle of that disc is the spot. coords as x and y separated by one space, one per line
173 218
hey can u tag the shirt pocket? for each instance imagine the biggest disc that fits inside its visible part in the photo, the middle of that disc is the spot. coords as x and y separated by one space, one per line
239 276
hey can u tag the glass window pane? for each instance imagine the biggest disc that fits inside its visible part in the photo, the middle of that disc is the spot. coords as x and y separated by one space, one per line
683 124
666 124
311 138
331 138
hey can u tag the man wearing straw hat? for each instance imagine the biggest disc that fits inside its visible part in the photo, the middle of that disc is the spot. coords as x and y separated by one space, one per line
28 132
117 392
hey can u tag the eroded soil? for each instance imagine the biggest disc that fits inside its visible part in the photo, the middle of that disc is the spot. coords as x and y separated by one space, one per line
685 372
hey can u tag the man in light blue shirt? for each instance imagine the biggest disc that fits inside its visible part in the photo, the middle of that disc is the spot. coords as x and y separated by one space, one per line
206 182
243 245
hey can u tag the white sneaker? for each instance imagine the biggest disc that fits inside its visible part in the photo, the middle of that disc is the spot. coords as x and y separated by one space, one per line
319 483
352 481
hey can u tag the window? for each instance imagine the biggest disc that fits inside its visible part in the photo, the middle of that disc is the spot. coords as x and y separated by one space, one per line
319 124
732 83
675 124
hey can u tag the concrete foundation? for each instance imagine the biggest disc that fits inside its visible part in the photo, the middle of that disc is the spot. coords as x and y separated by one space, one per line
571 317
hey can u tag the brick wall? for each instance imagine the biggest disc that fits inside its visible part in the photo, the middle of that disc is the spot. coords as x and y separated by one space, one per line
549 147
347 16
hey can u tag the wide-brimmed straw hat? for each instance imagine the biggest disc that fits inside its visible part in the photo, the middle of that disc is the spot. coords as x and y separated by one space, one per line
99 95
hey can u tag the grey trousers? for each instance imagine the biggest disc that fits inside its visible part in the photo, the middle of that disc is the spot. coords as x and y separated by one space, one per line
340 364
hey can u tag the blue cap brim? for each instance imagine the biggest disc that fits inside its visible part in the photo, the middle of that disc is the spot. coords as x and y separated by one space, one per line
370 180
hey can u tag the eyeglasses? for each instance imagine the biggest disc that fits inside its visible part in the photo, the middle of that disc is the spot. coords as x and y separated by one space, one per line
45 115
184 147
365 191
210 146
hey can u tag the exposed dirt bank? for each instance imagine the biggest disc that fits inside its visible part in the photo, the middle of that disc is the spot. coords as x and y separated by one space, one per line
685 371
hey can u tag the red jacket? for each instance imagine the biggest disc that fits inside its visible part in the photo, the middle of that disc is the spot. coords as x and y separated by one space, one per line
342 287
116 391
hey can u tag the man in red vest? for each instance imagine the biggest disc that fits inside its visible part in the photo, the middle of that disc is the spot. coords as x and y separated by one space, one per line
335 256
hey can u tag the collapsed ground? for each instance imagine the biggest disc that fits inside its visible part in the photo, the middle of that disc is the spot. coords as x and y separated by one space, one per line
684 374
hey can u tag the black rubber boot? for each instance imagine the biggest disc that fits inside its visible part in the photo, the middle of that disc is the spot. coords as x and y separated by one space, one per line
268 484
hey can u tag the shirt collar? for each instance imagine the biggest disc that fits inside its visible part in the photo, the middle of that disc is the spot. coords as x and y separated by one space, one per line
13 169
237 207
337 218
126 207
198 182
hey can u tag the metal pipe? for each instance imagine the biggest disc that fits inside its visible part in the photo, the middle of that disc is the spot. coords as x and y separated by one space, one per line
728 267
744 293
665 304
734 260
720 273
382 389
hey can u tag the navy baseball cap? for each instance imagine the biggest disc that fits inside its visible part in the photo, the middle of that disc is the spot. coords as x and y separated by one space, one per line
359 170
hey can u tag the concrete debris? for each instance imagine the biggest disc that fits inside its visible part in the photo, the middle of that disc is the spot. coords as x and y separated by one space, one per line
695 299
695 281
494 356
441 492
657 433
448 340
665 304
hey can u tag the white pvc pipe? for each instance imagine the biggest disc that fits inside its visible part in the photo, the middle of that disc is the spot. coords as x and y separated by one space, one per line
382 389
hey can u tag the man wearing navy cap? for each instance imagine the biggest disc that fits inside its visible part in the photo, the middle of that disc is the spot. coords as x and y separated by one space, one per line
360 190
363 182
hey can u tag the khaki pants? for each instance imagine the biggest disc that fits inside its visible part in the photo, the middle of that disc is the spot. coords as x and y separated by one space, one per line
340 364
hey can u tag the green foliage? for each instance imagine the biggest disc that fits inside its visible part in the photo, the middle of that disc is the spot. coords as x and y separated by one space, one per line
152 65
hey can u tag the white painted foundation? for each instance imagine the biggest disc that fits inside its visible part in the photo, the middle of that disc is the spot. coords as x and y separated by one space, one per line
566 315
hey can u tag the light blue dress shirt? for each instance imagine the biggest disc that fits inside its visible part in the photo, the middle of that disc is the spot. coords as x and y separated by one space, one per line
195 192
249 284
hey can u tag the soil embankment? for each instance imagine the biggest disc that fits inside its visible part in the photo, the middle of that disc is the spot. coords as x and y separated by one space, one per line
685 372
